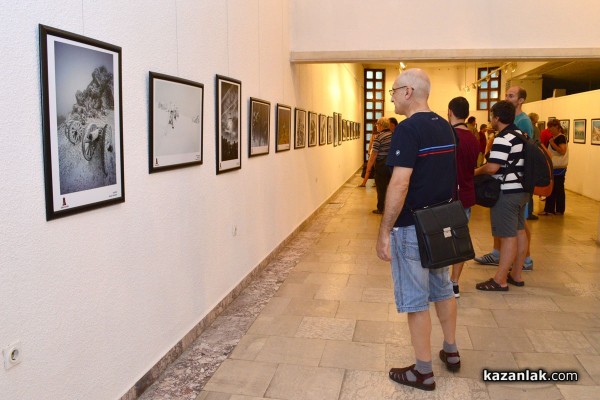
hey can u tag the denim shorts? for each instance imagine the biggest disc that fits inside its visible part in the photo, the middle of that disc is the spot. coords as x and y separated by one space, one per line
415 286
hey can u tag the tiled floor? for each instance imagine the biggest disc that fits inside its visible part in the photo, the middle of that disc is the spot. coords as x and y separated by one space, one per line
331 330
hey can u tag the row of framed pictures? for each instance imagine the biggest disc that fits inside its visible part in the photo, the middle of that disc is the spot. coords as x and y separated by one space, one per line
83 123
176 129
579 129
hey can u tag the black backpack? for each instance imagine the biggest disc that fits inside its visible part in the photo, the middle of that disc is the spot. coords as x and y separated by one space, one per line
537 175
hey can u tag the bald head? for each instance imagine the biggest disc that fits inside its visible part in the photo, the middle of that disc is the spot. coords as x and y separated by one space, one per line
411 91
418 80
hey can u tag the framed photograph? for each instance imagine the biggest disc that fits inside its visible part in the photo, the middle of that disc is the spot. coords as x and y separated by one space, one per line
322 129
541 125
339 129
176 122
300 119
228 124
284 123
258 130
579 130
82 122
344 130
313 129
335 129
329 130
595 131
565 123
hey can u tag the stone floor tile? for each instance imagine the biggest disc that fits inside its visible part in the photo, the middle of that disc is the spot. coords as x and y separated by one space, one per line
362 311
554 363
250 378
326 328
322 278
591 365
564 342
299 351
499 339
312 308
295 382
522 319
351 355
339 293
576 392
279 325
521 391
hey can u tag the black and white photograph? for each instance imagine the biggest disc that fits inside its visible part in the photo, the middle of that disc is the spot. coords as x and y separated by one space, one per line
313 129
344 130
335 129
565 124
284 124
579 130
228 124
322 129
300 120
259 123
176 116
82 122
329 130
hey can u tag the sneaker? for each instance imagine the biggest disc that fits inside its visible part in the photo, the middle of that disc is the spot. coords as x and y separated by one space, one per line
528 266
488 259
533 217
456 291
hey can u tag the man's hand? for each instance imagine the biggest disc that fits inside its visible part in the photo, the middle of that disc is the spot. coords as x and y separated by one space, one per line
383 247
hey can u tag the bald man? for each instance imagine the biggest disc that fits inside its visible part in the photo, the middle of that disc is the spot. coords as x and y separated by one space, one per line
422 157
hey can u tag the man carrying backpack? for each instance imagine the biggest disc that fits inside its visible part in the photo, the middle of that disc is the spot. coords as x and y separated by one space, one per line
506 163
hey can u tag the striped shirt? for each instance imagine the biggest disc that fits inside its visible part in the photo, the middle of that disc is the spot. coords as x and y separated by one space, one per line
508 148
381 144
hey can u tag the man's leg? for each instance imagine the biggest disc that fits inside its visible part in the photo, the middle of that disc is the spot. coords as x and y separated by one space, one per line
446 313
522 246
419 324
508 253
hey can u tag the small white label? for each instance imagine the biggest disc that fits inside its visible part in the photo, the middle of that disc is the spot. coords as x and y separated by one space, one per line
447 232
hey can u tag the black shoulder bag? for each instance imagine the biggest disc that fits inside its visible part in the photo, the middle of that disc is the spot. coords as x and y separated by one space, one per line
443 231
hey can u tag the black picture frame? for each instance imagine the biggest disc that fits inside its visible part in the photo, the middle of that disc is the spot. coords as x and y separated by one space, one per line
339 129
284 127
82 122
335 129
344 130
579 128
329 129
228 124
300 128
259 124
566 125
176 111
322 129
595 131
313 129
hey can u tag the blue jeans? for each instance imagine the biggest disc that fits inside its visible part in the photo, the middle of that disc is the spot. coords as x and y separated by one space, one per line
415 286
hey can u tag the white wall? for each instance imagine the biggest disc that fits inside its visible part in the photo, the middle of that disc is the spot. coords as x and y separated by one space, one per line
98 298
434 24
584 159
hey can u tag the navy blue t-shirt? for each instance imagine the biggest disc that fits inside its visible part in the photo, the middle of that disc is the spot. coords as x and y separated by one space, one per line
425 143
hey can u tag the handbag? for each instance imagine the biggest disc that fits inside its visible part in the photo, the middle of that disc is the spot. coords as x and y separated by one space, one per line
559 160
443 232
487 190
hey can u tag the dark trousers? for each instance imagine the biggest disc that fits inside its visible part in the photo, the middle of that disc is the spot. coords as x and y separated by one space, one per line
382 179
555 203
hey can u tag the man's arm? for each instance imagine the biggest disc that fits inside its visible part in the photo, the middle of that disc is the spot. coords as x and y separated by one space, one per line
487 169
394 201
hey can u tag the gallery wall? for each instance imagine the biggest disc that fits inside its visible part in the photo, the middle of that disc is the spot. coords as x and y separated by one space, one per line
432 25
97 298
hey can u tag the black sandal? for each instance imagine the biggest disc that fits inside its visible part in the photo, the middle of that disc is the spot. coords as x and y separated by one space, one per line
491 286
450 366
510 280
399 375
